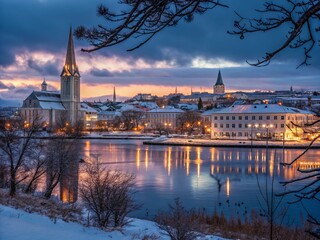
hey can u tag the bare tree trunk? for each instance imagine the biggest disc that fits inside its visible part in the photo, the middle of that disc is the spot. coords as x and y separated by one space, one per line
50 189
12 183
33 180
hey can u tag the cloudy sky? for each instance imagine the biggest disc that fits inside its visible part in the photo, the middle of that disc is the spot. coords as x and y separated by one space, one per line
34 36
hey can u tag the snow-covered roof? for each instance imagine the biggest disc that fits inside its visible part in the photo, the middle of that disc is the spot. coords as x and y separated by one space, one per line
166 110
47 96
86 108
109 113
126 107
299 98
261 108
103 108
199 94
210 112
185 106
51 105
150 105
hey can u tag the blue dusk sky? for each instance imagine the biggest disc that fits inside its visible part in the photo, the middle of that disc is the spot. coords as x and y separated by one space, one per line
34 36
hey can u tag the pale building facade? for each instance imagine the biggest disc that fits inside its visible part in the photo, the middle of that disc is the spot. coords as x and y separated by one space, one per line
162 117
260 121
90 116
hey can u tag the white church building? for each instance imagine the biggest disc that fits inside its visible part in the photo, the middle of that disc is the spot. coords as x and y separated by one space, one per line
52 105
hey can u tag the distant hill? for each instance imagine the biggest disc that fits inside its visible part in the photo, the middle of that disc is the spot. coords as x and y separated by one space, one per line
104 98
10 103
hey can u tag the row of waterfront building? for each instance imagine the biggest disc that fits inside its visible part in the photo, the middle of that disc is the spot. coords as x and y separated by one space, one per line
224 115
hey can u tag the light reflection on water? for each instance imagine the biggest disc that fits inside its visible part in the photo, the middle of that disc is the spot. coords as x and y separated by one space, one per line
222 179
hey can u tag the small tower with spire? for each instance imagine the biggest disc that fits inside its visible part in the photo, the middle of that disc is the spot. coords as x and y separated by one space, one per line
44 85
219 88
114 99
70 83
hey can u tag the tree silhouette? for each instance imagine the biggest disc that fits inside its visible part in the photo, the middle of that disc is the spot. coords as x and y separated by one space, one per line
310 189
188 121
143 19
200 104
298 17
17 145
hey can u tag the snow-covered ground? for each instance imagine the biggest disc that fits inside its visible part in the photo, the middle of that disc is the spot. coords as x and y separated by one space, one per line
119 134
175 139
163 140
19 225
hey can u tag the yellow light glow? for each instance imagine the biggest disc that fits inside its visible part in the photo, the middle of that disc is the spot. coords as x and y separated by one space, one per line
198 169
271 165
138 158
169 161
212 154
228 187
146 159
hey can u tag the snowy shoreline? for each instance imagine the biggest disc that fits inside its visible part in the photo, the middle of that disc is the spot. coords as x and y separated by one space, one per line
152 139
16 224
230 143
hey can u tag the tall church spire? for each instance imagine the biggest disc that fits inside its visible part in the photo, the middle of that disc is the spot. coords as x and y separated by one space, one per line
219 79
44 85
219 88
70 84
114 95
70 67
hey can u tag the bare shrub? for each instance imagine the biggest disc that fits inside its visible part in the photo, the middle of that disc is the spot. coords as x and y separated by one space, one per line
52 209
254 226
179 223
17 145
108 195
150 237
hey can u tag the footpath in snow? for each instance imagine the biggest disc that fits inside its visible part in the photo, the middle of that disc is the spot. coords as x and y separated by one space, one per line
19 225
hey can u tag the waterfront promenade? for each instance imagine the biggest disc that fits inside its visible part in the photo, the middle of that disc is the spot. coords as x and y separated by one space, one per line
151 139
230 143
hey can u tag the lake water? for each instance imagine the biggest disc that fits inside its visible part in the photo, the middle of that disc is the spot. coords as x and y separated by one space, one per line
206 178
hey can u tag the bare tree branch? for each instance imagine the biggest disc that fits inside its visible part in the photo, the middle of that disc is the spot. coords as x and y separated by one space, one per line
141 19
304 152
17 145
296 16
